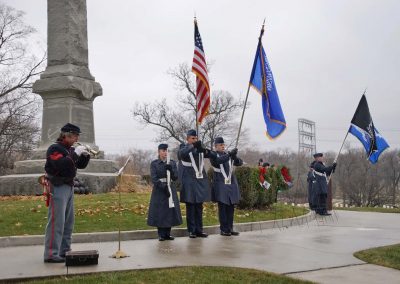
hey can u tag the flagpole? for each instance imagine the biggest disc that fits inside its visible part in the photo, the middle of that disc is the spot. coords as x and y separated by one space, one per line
247 96
195 96
241 119
337 156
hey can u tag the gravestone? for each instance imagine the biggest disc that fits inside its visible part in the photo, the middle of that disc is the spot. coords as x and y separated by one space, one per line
68 90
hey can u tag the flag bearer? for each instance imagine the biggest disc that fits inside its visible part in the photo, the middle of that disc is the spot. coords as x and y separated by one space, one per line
225 189
320 186
195 188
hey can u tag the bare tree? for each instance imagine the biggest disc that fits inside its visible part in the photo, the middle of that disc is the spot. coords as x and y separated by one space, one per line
18 70
176 118
390 173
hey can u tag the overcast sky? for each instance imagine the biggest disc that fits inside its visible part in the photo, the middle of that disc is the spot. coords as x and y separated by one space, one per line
323 55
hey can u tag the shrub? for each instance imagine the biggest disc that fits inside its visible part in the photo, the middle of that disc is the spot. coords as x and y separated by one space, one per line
253 195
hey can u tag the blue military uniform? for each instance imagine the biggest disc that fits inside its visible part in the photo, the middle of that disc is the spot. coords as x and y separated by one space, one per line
195 188
225 189
311 194
320 186
160 214
61 166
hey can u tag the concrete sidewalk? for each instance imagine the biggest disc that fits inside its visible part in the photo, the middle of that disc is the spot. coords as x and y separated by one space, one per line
318 251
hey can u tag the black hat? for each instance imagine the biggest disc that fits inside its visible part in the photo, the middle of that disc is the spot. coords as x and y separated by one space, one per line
71 128
265 164
191 132
316 155
163 146
219 140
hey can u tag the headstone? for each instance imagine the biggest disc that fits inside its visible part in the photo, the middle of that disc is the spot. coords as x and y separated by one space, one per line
68 90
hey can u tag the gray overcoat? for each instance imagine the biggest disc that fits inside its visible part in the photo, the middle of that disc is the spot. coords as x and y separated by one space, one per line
320 186
193 190
160 215
220 192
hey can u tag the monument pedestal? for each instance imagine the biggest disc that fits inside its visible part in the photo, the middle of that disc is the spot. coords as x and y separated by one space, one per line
68 90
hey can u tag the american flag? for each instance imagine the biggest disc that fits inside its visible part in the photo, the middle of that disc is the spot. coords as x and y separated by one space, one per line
200 69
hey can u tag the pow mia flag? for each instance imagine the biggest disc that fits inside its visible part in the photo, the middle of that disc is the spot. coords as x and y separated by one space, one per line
363 128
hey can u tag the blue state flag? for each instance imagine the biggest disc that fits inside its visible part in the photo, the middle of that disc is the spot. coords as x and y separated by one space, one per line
262 80
362 127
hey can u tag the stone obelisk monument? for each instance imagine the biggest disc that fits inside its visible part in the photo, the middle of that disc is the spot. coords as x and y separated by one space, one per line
66 86
68 90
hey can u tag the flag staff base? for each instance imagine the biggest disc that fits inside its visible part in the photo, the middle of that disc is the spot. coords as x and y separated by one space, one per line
119 254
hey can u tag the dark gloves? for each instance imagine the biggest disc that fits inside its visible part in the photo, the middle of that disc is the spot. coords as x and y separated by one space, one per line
334 167
168 167
233 153
197 144
167 190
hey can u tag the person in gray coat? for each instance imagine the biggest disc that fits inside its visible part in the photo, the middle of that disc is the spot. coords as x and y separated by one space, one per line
164 210
195 188
320 186
225 188
310 181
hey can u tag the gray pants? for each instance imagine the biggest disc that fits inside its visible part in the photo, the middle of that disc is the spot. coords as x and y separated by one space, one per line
60 223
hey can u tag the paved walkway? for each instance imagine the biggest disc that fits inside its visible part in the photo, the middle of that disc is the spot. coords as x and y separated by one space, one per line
319 251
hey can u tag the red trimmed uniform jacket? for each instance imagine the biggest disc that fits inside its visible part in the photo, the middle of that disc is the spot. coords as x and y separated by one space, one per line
62 163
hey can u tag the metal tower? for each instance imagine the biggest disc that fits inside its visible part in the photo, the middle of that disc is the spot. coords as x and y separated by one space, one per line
307 139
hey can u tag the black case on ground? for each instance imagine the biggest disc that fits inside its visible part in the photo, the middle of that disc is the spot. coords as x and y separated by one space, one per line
81 258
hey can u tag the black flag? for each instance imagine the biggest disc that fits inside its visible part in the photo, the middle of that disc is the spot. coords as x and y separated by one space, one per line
362 119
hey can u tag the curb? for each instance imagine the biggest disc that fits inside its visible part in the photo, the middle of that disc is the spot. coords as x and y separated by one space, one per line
13 241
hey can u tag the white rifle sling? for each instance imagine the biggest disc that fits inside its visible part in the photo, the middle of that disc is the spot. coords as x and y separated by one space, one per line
320 174
227 178
170 199
199 170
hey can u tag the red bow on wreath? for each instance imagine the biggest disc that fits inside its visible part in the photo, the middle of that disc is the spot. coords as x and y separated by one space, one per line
286 176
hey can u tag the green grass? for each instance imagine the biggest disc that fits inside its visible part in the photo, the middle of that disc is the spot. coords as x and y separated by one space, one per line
388 256
99 213
370 209
179 275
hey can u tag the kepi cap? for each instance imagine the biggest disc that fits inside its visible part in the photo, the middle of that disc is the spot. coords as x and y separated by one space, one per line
71 128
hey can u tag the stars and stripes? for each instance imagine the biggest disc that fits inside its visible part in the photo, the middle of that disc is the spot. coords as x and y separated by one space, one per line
199 67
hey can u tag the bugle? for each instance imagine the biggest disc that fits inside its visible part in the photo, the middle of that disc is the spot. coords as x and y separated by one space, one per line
88 148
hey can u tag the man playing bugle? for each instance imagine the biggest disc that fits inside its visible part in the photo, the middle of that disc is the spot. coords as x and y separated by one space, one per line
62 161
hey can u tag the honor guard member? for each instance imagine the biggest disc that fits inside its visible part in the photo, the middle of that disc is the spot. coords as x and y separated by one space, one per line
225 189
164 210
195 187
310 181
320 186
62 161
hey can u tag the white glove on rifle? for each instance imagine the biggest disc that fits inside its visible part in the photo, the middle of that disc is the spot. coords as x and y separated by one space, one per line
81 150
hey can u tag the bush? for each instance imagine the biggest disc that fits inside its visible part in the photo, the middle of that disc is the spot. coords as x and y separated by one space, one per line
253 195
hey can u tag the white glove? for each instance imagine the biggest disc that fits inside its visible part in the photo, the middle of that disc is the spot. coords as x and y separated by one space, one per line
80 149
